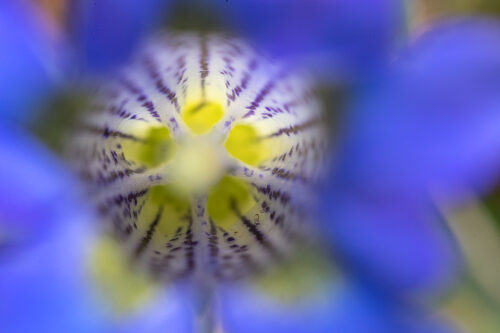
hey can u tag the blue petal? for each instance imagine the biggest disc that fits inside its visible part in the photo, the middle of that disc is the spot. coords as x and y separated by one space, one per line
429 127
344 308
47 288
35 189
433 121
172 312
398 242
41 287
105 32
27 61
340 37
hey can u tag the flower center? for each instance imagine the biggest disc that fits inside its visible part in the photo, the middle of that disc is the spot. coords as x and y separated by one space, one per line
204 157
198 164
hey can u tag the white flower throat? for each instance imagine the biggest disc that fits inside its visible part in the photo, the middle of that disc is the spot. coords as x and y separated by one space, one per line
203 155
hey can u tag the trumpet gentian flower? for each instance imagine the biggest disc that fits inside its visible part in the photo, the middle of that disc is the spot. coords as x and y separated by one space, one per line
370 240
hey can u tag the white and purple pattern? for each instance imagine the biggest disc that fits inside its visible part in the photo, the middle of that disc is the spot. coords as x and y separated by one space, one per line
253 90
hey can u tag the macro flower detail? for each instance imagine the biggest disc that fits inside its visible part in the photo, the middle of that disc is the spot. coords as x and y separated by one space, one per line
203 155
201 161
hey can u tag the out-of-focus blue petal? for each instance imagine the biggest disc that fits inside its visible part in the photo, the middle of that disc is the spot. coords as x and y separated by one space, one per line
28 56
337 36
47 288
433 121
398 242
105 32
172 312
340 309
429 129
36 192
43 289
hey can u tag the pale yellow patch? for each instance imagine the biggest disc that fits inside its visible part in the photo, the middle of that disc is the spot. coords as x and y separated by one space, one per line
198 165
153 147
174 207
304 274
228 195
125 289
246 144
201 116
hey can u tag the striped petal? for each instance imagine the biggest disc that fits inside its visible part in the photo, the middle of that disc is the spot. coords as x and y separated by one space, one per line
204 156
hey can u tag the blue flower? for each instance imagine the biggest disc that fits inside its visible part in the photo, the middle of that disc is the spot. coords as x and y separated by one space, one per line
378 214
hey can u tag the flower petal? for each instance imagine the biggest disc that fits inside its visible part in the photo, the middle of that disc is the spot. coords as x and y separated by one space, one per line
35 190
433 122
105 32
429 127
204 155
50 285
28 59
400 243
337 35
341 308
42 284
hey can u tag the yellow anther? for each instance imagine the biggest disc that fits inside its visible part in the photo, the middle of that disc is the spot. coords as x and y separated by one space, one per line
245 144
202 115
229 199
169 207
148 144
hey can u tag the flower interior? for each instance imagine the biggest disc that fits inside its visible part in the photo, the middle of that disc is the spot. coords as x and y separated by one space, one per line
202 156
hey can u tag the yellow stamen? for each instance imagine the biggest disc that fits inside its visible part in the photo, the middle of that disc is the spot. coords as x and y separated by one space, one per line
151 144
228 199
245 144
169 206
202 116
